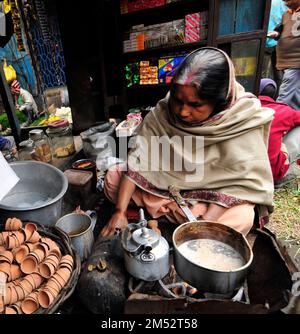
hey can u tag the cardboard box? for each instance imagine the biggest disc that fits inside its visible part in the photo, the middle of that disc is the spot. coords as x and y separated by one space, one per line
167 67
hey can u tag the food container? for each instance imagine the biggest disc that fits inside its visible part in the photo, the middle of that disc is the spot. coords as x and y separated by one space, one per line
37 196
80 186
26 150
80 229
204 277
60 133
87 165
42 146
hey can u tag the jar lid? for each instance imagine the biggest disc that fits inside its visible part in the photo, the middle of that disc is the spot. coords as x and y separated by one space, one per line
36 134
26 143
58 124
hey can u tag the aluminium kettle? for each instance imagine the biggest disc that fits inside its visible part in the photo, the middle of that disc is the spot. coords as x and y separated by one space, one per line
146 253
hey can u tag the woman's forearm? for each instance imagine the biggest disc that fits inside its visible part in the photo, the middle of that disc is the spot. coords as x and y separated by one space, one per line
126 191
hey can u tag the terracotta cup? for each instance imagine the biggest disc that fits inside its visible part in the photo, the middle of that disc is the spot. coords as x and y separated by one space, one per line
21 253
16 224
15 272
38 280
10 310
31 227
29 265
20 293
46 270
19 235
54 284
35 237
45 299
31 281
58 280
27 287
7 256
43 247
30 303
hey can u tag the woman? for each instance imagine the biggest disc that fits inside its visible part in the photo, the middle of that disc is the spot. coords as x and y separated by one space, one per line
205 101
7 143
284 139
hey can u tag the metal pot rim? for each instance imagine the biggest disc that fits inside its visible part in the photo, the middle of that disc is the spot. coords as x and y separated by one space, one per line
74 213
245 266
54 200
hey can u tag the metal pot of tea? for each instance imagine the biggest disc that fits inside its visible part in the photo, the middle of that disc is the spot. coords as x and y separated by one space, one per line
209 256
146 253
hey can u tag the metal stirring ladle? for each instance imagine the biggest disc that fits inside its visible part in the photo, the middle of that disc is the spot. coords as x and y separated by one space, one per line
175 194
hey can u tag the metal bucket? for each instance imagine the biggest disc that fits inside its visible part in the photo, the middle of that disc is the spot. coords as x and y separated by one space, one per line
80 229
37 196
205 279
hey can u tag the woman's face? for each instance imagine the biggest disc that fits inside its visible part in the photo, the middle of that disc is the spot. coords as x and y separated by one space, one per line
293 4
186 104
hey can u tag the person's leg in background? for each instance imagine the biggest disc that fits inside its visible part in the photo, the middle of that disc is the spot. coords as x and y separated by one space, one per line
28 111
289 91
292 143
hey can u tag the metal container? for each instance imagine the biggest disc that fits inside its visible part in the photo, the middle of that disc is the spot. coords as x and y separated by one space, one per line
37 196
204 279
146 254
80 229
26 150
42 145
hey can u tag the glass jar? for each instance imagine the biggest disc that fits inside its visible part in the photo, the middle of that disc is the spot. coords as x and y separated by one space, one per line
26 150
42 145
60 133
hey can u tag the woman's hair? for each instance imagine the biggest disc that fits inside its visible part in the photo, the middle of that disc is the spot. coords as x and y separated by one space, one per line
208 71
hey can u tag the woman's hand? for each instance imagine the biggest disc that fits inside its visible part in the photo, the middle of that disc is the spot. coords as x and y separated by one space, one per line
285 151
117 222
273 34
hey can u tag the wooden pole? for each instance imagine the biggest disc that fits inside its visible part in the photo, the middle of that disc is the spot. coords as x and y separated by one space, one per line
9 106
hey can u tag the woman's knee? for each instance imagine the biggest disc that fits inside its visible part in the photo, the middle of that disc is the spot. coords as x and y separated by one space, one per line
240 218
112 183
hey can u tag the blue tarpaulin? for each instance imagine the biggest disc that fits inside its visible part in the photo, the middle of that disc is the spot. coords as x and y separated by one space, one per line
21 63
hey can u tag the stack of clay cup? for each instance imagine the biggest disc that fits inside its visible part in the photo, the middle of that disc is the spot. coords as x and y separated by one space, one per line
32 269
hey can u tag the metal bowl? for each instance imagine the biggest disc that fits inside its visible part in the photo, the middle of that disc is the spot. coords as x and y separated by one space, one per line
37 196
203 278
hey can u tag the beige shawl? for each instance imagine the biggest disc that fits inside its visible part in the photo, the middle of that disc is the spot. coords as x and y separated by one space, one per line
235 163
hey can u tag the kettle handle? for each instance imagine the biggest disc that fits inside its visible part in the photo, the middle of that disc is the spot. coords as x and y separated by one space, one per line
94 216
125 236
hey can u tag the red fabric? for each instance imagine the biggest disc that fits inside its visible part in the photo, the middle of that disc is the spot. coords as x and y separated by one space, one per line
285 119
133 214
16 86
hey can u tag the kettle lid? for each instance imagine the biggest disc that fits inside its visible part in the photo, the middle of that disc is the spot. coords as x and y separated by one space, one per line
145 236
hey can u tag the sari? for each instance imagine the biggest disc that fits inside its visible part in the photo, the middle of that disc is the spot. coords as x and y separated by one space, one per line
234 170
